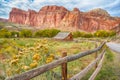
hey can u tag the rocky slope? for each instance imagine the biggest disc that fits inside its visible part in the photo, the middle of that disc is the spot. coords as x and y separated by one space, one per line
60 17
3 20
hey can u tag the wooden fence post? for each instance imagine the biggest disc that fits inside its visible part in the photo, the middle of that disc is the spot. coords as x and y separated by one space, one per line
64 68
96 55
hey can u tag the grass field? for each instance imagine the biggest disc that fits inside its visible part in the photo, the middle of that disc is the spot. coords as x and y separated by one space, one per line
23 54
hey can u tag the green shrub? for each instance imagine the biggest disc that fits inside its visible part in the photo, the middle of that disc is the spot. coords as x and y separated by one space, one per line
88 35
38 33
25 33
103 33
46 33
82 34
76 34
112 33
14 34
4 33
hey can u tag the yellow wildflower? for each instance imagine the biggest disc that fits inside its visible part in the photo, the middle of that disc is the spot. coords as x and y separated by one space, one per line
49 59
14 61
36 57
31 48
44 41
15 57
41 46
45 49
58 54
9 72
17 71
19 56
52 55
20 53
33 65
26 67
69 76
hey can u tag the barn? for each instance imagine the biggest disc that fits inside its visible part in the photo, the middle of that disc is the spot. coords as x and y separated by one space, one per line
67 36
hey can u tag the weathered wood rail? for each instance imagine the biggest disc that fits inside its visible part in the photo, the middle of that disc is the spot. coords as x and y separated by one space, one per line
92 77
37 71
85 71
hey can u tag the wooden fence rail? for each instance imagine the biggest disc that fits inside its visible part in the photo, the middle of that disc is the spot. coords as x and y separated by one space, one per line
37 71
80 75
92 77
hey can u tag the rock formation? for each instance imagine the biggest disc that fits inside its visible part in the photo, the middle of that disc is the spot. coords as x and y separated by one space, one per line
61 18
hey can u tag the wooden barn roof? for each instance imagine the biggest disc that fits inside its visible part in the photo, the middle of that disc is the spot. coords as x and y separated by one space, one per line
62 35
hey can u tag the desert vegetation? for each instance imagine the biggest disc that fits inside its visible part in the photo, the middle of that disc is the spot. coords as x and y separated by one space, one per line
99 33
23 54
20 55
23 50
26 33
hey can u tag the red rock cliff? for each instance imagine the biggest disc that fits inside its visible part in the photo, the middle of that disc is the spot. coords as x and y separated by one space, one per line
60 17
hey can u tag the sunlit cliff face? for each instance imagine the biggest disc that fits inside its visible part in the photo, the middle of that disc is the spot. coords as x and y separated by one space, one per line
60 17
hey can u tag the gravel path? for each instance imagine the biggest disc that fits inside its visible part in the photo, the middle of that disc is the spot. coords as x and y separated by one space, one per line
114 46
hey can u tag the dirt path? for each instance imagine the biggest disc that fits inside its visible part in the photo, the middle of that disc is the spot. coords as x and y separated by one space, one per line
115 47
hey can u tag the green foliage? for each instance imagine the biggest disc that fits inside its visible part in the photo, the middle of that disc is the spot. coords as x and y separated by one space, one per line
2 24
107 73
22 50
103 33
46 33
108 70
112 33
109 55
2 77
88 35
4 33
25 33
76 34
82 34
14 34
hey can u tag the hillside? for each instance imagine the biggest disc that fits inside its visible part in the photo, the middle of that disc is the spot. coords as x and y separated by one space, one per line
3 20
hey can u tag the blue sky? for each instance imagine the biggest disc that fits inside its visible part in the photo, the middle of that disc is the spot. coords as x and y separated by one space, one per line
112 6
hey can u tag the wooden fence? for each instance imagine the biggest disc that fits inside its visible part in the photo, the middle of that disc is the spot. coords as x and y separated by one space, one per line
63 61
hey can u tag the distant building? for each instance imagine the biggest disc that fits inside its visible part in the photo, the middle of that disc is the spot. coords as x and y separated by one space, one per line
67 36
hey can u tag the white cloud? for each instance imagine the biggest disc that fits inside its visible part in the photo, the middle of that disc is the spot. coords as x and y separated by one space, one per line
112 4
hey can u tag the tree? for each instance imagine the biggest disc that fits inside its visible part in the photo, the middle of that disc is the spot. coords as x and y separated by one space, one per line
25 33
112 33
46 33
103 33
82 34
14 34
4 33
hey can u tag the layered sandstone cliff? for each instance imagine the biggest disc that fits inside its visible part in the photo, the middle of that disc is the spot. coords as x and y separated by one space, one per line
60 17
